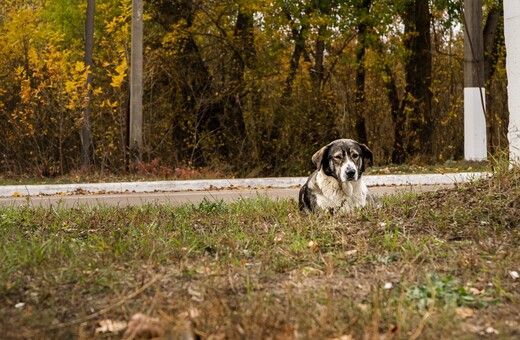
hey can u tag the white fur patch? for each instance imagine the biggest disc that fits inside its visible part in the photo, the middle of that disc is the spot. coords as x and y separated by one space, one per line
344 196
349 164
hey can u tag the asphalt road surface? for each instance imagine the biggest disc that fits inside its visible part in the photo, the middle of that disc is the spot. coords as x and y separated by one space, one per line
182 197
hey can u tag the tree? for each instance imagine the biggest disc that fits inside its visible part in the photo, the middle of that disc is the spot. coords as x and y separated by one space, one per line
195 117
251 87
362 31
497 115
416 104
89 48
299 30
136 83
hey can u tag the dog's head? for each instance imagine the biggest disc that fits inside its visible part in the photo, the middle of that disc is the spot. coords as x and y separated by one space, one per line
343 159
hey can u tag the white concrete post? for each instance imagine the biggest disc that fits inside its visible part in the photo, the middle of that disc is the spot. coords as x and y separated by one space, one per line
475 142
512 37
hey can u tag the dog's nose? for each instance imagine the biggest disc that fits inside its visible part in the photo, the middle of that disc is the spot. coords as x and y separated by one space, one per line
351 172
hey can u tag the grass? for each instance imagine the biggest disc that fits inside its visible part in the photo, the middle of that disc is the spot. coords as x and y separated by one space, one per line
430 266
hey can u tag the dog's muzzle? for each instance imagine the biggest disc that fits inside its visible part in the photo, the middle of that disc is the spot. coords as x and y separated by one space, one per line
349 175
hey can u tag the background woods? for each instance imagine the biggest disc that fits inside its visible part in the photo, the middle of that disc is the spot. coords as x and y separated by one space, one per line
246 87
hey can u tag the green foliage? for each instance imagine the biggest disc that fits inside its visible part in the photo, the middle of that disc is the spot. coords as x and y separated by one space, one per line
446 292
210 207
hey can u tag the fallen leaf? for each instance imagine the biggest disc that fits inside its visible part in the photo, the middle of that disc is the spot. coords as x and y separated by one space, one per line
464 312
491 330
471 328
184 327
308 271
393 329
388 285
475 291
193 313
141 326
279 237
344 337
313 246
195 293
363 307
110 326
514 274
512 324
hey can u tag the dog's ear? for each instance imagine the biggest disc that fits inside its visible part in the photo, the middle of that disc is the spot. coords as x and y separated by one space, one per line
366 154
317 158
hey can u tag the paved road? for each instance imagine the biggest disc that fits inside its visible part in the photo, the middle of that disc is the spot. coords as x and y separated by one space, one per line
194 191
183 197
215 184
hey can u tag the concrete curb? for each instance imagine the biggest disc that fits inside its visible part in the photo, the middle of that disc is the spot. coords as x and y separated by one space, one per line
214 184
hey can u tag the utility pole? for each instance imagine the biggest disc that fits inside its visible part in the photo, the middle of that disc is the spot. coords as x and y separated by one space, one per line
512 34
475 141
136 83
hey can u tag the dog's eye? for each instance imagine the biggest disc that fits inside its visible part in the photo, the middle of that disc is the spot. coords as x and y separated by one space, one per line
338 157
355 156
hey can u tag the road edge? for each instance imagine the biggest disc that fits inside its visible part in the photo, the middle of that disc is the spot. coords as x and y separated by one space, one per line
219 184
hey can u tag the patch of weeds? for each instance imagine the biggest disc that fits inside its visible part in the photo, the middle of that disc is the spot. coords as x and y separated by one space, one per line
387 258
391 238
281 264
207 206
446 292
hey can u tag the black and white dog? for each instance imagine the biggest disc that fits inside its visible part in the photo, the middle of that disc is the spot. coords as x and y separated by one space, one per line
337 185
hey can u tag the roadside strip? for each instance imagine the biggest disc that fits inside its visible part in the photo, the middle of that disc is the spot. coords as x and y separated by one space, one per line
228 184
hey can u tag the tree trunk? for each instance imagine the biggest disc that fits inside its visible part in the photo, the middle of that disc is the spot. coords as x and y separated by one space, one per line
398 151
319 69
89 50
245 38
299 49
359 99
416 104
136 82
243 58
298 36
192 78
493 43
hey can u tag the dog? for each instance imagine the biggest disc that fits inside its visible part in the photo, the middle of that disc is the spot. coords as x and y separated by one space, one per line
337 184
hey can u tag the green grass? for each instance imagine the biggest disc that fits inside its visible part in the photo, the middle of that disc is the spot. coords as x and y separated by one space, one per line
257 268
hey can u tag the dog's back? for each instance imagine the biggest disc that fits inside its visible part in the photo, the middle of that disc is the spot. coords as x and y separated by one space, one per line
307 197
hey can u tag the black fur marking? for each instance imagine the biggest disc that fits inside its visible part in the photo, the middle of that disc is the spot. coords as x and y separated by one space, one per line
328 164
307 197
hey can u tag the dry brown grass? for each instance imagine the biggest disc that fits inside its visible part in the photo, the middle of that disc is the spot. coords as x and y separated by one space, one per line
431 266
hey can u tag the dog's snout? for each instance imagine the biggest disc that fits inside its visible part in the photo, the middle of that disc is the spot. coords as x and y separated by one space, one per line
351 172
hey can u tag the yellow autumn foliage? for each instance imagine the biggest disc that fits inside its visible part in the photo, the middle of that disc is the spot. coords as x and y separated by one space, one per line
225 82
